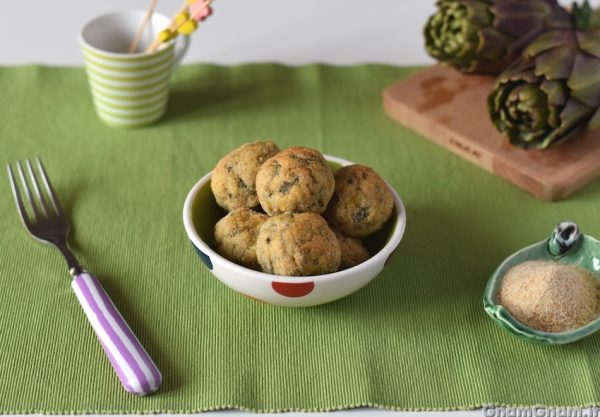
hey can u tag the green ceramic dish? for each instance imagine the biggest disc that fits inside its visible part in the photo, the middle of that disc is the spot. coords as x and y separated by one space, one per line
567 245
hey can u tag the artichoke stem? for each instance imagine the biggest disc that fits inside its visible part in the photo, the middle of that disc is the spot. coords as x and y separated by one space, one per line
582 16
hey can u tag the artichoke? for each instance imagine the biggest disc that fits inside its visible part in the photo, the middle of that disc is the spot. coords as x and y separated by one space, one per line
552 92
486 36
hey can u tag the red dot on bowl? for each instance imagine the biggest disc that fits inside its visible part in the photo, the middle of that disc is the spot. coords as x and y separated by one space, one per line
287 289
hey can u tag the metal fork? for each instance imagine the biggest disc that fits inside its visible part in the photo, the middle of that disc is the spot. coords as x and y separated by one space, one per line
47 223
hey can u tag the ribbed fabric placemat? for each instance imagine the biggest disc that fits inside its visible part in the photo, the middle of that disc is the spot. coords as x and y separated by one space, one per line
415 338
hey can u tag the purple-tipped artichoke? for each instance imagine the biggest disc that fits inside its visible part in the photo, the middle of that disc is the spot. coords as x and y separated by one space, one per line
485 36
552 92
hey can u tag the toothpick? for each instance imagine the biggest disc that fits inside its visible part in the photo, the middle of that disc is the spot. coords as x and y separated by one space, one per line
155 44
174 27
142 28
171 27
182 9
204 6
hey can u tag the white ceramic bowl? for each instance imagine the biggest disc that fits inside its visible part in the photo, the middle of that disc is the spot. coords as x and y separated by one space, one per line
200 213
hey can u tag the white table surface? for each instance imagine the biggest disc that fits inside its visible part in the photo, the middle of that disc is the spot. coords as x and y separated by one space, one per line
338 32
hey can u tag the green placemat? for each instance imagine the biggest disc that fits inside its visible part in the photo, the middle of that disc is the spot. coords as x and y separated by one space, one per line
415 338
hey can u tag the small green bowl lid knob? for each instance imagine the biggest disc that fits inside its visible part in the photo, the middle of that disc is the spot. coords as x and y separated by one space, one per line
564 238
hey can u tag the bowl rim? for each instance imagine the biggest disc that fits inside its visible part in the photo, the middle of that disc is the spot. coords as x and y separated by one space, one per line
379 258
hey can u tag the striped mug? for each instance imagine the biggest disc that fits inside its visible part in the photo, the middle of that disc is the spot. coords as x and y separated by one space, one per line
129 89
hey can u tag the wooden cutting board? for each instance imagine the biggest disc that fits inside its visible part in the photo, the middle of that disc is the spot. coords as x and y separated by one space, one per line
450 109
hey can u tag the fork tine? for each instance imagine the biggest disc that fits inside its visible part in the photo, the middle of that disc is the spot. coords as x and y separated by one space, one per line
17 196
36 188
49 189
36 213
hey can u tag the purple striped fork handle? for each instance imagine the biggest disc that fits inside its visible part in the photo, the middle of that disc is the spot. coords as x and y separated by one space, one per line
134 367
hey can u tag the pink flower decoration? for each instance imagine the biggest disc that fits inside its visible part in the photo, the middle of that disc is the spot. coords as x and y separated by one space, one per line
200 11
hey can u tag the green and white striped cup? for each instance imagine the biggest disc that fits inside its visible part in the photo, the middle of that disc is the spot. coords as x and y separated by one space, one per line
129 89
